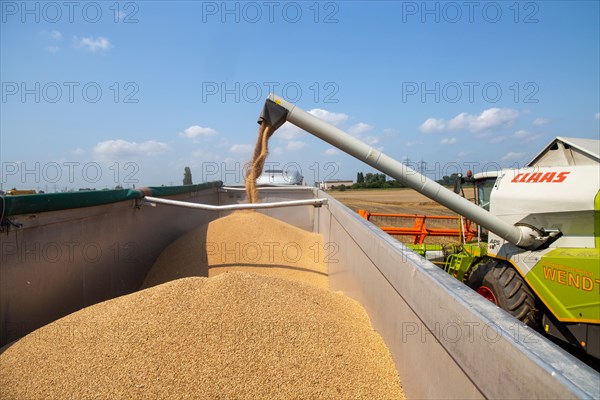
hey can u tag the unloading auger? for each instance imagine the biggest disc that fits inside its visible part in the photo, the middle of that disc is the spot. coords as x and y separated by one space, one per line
277 111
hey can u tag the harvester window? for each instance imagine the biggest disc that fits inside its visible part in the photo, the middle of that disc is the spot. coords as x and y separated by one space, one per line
484 190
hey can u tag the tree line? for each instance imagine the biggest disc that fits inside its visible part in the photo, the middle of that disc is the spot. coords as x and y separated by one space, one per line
380 181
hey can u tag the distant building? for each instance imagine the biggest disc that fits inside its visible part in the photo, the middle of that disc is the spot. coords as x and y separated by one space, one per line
334 183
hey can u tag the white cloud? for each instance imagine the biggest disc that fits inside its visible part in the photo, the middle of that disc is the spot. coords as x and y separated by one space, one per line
489 119
497 139
288 131
412 143
448 141
293 133
118 148
390 132
328 116
597 116
461 121
371 140
241 148
195 131
331 152
78 151
91 44
56 35
360 128
513 156
521 134
525 136
432 125
295 145
541 121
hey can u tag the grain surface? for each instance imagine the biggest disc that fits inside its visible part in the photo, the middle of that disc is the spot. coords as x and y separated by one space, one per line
235 335
245 241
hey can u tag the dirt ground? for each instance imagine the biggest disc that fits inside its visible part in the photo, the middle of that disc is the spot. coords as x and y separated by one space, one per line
390 201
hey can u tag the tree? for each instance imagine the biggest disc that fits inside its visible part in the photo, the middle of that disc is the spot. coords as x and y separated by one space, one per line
360 178
374 181
187 176
448 180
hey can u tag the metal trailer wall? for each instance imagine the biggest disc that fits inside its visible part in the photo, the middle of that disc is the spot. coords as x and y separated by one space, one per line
446 340
61 261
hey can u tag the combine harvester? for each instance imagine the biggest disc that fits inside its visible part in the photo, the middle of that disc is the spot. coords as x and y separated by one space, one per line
446 340
554 288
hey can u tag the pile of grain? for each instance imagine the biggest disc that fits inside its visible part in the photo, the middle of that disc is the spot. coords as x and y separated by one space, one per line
236 335
245 241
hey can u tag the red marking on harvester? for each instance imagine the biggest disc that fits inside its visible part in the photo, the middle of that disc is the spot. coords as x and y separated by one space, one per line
541 177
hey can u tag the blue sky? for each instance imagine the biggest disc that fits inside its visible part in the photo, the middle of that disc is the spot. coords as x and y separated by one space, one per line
96 94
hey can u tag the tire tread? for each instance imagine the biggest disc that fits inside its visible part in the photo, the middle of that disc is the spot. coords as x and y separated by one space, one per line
511 291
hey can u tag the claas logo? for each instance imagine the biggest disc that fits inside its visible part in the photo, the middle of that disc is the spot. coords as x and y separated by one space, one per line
539 177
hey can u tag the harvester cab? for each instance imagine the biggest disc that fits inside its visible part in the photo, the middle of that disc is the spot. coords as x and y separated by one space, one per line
482 183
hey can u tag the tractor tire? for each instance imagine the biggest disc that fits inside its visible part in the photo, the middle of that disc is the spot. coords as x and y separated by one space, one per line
501 284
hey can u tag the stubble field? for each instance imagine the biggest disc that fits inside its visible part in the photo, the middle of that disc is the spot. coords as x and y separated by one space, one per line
407 201
400 201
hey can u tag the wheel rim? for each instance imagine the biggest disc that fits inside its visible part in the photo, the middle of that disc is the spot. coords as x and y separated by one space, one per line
487 293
